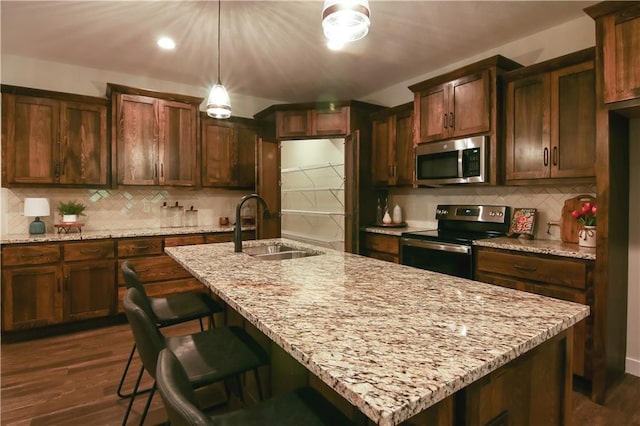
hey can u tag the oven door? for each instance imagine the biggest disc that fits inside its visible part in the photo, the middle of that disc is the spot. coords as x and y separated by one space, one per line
446 258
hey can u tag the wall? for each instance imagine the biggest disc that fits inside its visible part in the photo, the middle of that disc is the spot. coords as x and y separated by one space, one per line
109 209
633 307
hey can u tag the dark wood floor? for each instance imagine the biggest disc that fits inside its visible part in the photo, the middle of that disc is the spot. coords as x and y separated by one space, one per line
72 380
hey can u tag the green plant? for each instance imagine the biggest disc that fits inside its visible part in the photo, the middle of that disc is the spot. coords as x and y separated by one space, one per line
71 207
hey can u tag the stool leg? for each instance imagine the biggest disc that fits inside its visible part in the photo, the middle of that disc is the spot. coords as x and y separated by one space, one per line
258 385
148 404
133 396
124 374
201 326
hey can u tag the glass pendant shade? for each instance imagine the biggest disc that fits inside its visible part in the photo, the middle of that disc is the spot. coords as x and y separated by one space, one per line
345 21
218 102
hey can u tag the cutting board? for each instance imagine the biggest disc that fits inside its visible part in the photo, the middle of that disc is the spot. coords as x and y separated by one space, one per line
570 226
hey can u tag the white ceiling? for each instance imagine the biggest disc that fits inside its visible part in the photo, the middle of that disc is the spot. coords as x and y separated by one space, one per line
271 49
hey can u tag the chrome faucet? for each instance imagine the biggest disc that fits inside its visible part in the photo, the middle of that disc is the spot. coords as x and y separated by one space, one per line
237 232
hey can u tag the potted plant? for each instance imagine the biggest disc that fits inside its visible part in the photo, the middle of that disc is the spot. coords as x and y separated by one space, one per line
587 218
71 210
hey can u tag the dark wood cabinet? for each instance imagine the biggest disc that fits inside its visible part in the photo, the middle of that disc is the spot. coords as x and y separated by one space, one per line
88 280
228 153
53 138
155 137
381 246
618 35
312 122
31 288
393 160
453 109
550 120
553 276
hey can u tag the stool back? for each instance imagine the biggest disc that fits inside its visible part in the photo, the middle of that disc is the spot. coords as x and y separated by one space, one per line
178 395
132 280
149 340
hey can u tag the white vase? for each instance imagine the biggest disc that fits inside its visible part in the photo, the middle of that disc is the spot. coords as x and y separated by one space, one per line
69 218
587 236
397 214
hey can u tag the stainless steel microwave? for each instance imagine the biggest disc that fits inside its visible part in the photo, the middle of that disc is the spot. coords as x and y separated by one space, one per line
452 161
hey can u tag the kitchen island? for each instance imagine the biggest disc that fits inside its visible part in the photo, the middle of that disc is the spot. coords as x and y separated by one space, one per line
393 340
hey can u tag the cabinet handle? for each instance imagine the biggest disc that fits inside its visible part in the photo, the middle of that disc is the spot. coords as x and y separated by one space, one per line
59 289
64 164
89 250
161 170
142 270
66 283
451 122
395 171
546 156
57 170
555 155
33 256
141 247
444 120
389 171
525 267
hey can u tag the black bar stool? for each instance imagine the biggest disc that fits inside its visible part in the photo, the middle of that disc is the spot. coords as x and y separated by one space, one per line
208 356
304 406
167 311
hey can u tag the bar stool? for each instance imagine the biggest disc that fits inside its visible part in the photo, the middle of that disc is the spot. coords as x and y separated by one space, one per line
167 311
304 406
209 356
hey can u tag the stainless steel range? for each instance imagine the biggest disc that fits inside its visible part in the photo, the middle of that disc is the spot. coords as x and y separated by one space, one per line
448 248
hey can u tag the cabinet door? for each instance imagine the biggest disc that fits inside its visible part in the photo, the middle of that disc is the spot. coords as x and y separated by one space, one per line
89 289
245 168
573 121
432 114
381 147
330 122
293 123
83 145
177 148
137 140
217 148
31 134
469 105
621 54
404 158
31 297
528 128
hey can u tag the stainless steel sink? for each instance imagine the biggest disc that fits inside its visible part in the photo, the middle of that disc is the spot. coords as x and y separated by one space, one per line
278 252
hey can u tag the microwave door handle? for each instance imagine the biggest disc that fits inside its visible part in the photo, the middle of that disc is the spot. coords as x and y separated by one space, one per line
460 165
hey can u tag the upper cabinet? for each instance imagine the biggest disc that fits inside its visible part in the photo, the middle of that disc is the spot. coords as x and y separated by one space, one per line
53 138
618 56
228 153
392 146
550 120
155 137
459 103
312 122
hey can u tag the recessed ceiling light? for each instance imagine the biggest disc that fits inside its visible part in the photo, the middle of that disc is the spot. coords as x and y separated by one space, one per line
166 43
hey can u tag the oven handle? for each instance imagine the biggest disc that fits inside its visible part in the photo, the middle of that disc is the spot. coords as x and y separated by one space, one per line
452 248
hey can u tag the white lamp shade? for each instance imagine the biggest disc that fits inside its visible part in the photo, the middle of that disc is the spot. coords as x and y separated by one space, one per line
218 102
344 21
36 207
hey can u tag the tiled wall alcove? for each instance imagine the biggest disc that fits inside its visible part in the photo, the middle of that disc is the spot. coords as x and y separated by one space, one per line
109 209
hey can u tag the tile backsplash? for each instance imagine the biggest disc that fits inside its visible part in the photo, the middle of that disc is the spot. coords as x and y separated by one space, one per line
419 205
109 209
130 208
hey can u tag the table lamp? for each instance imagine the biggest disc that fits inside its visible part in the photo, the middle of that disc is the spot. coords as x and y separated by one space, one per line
36 207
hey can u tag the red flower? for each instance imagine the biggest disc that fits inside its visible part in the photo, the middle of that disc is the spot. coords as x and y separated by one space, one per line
586 215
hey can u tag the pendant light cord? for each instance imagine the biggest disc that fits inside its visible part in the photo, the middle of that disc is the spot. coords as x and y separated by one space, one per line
219 41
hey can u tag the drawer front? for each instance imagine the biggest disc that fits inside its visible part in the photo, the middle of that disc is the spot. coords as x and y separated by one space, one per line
30 255
139 247
153 269
226 237
89 251
564 272
382 243
184 240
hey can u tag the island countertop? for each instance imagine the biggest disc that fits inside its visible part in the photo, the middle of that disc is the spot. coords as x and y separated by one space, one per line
391 339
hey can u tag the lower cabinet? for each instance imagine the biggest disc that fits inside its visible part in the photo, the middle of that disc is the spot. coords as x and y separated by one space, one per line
381 246
553 276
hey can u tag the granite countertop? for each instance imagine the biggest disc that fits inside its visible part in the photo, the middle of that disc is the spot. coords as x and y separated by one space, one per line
113 233
395 231
391 339
548 247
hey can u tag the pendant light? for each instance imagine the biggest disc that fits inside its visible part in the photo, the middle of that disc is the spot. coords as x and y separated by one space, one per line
218 102
344 21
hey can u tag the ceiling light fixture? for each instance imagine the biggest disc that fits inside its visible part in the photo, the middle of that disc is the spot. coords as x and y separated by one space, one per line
344 21
166 43
218 102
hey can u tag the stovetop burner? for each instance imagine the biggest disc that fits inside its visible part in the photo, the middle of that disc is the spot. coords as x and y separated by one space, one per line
465 223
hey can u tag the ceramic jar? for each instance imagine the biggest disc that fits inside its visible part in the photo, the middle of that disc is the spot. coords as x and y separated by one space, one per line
587 236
